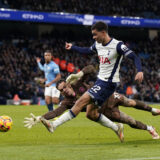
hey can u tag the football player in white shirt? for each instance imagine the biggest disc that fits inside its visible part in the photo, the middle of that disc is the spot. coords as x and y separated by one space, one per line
110 52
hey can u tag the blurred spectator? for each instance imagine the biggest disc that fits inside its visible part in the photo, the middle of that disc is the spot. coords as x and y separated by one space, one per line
18 66
143 8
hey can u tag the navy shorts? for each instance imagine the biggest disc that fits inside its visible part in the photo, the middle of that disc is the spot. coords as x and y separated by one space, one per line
101 91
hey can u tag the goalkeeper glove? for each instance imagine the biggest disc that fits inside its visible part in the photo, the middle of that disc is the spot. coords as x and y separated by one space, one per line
73 78
30 122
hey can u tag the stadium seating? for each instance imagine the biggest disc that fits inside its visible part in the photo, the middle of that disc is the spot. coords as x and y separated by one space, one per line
143 8
18 66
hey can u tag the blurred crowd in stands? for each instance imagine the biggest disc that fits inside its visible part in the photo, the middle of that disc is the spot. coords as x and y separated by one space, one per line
18 67
142 8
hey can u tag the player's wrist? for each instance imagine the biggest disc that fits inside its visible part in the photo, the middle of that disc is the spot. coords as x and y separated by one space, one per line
73 47
38 118
80 74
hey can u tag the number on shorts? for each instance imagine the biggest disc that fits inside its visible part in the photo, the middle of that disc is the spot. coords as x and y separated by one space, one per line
96 88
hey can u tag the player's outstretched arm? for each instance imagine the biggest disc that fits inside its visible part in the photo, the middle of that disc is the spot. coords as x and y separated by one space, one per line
124 50
39 64
31 121
82 50
73 78
57 112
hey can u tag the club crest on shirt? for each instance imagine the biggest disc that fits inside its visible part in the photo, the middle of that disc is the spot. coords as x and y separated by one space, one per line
124 47
81 89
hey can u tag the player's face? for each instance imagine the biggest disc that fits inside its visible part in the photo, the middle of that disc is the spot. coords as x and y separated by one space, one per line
98 35
47 57
66 89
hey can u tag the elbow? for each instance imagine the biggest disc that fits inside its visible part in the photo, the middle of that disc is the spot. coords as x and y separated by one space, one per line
59 77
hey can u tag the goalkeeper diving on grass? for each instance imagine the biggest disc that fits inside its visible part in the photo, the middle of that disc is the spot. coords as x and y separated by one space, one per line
75 86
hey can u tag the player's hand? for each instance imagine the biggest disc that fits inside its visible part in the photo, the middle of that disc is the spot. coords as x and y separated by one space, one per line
68 46
38 59
48 85
42 80
31 121
73 78
139 77
39 80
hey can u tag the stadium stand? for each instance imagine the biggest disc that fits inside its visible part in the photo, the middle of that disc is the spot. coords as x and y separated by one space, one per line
143 8
18 66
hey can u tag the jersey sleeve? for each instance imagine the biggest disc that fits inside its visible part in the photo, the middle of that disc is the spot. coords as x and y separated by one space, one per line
84 50
67 102
122 49
57 112
41 67
56 69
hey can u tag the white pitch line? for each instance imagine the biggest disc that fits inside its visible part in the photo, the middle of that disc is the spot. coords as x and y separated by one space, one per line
143 158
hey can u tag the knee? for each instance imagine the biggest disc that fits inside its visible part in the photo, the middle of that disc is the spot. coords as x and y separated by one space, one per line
132 103
90 116
55 101
114 116
47 101
84 100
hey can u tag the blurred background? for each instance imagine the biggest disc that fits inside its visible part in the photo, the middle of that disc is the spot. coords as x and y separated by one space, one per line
29 27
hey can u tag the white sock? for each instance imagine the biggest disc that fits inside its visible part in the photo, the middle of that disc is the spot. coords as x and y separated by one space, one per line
104 121
149 128
63 118
154 110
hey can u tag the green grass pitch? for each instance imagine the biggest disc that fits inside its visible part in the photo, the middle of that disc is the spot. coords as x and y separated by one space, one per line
79 139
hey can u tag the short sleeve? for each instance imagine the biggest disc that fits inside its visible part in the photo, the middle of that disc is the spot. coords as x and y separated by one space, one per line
56 69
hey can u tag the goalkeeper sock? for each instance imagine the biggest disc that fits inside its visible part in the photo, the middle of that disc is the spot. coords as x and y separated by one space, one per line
149 128
63 118
50 107
104 121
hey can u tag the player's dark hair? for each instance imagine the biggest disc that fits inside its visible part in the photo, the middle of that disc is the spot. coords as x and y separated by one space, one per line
100 26
60 81
48 51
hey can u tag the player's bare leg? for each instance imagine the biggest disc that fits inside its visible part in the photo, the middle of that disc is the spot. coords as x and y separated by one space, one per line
92 114
79 105
49 103
139 105
55 100
124 118
83 101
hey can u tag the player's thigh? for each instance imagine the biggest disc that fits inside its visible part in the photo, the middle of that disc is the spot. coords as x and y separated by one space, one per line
55 93
126 102
124 118
48 92
101 91
55 100
81 103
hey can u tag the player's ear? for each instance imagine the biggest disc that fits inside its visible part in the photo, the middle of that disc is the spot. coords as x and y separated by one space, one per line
104 32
